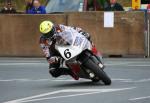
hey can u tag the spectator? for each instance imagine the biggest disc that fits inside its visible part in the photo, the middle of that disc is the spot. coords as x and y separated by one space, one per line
29 5
96 5
148 8
37 8
114 6
7 9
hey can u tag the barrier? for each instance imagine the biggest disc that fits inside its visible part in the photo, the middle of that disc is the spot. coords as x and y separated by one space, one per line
126 38
20 35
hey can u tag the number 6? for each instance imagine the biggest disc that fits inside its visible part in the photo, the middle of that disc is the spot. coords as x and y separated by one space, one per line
67 53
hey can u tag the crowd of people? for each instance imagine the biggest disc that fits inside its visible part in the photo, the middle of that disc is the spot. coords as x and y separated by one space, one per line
8 8
32 7
35 7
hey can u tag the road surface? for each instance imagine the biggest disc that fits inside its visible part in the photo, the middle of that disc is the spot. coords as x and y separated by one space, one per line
26 80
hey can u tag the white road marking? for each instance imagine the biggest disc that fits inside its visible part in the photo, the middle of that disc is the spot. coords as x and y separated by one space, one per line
115 64
67 80
70 80
139 64
37 80
36 96
119 79
128 65
140 98
66 96
6 64
138 81
40 80
55 80
24 80
12 80
79 91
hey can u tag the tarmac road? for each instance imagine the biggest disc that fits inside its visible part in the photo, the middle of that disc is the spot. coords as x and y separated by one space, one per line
26 80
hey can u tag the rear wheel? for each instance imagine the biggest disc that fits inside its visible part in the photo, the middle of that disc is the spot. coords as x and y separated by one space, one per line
99 73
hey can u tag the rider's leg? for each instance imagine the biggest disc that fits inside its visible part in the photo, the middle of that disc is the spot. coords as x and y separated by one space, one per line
55 71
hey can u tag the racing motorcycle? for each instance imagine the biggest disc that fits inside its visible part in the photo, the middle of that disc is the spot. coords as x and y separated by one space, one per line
84 63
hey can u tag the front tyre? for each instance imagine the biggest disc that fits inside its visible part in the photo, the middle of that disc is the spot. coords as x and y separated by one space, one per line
97 71
95 80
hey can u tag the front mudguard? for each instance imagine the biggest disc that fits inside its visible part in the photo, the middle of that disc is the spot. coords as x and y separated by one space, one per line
84 56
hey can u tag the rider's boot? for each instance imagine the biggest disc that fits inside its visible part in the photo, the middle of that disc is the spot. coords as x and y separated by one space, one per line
56 72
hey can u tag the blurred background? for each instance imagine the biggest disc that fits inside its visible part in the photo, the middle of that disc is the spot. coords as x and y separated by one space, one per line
130 34
20 5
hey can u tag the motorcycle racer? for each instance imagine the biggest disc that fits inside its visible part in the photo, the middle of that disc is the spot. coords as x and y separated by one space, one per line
60 35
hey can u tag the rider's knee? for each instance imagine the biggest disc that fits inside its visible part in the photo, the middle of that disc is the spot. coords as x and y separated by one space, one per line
53 69
54 72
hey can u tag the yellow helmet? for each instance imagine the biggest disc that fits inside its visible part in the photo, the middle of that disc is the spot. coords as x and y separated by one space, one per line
46 27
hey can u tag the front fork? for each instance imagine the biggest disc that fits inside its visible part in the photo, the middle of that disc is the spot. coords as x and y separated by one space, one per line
84 56
97 57
98 60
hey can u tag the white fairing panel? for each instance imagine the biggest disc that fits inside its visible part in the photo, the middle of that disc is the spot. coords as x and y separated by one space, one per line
68 52
77 43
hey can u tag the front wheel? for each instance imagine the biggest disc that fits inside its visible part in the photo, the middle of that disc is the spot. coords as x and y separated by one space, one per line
97 71
95 80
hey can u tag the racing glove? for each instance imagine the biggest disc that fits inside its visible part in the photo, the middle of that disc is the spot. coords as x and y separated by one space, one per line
53 59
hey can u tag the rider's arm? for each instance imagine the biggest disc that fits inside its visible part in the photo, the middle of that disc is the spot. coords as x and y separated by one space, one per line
45 47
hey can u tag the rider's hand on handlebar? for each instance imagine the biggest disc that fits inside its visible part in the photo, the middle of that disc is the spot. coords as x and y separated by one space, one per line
53 59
